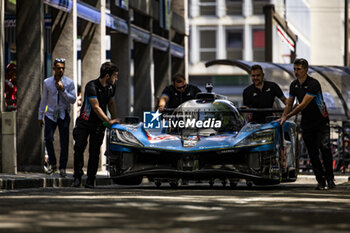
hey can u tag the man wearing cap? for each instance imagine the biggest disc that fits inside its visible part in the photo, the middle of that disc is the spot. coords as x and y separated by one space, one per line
58 94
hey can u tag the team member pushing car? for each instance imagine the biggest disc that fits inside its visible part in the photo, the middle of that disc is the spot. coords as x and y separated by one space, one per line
99 94
261 94
177 93
314 122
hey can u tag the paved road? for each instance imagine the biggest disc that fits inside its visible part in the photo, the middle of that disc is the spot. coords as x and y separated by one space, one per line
295 207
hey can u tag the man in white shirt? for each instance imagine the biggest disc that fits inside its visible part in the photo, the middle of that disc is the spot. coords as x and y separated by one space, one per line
58 95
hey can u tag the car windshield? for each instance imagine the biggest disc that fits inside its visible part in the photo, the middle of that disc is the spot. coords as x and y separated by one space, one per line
201 118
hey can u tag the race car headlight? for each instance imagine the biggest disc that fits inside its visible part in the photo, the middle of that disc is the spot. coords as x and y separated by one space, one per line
119 136
259 138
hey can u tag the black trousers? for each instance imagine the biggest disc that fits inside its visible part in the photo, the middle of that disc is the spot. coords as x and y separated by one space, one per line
318 139
81 133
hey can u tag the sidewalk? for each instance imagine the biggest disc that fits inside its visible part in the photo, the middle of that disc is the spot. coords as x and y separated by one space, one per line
41 180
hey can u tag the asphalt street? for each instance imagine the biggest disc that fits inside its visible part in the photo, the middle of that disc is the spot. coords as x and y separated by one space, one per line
292 207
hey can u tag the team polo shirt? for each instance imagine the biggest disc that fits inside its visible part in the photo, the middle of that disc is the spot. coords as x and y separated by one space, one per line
255 98
315 112
176 98
94 89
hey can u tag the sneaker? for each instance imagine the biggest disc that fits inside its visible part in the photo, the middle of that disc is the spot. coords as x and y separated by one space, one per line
90 184
63 173
51 170
76 183
321 186
331 184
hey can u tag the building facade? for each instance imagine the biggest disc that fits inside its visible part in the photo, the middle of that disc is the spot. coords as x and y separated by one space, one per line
146 39
224 29
235 30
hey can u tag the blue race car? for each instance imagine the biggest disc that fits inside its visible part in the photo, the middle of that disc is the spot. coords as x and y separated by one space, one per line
204 139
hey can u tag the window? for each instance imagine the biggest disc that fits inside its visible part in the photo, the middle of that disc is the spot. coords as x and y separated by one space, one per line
234 43
258 6
233 7
258 44
207 44
207 7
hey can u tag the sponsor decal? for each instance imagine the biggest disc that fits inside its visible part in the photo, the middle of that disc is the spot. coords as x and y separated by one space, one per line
159 138
218 138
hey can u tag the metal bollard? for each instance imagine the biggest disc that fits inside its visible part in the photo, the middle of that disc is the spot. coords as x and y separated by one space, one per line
8 144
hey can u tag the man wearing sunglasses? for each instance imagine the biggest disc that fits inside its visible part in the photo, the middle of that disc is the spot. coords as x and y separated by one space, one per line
261 94
58 95
177 93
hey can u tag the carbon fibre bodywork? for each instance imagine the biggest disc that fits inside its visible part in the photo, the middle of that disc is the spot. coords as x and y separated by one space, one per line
264 154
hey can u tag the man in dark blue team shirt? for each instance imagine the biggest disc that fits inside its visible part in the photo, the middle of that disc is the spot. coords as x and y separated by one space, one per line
177 93
99 94
261 94
314 122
